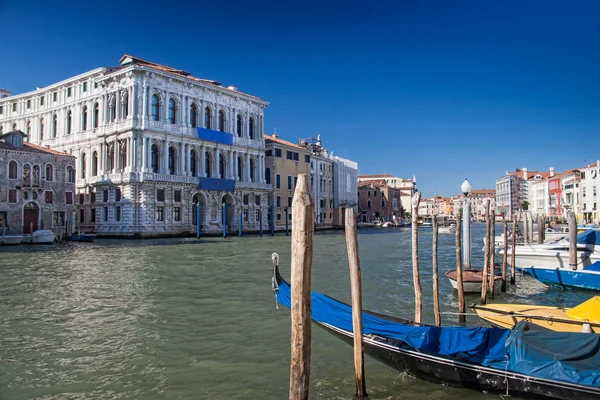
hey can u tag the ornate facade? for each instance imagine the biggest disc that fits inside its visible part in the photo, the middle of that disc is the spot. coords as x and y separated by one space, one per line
153 145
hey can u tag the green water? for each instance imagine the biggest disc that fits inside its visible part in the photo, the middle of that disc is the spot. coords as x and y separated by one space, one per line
178 319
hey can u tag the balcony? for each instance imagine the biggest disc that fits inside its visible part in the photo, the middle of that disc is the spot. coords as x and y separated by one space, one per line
216 184
215 136
253 143
253 185
150 176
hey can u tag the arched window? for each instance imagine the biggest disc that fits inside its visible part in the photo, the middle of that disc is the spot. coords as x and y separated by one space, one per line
239 125
240 171
125 106
70 174
42 129
84 118
222 120
155 108
207 118
222 168
36 176
193 161
12 170
268 175
69 118
49 173
96 115
95 164
154 158
110 157
251 128
208 165
1 128
369 204
193 115
28 130
26 175
252 164
14 127
83 166
113 109
172 161
382 203
54 125
122 154
172 111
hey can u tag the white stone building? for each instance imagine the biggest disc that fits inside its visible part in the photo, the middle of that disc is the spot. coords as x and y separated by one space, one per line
152 142
345 187
590 197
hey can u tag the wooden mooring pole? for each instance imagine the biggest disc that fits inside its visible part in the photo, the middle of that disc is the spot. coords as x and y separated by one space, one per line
505 256
513 249
303 211
486 258
492 244
525 228
436 300
540 238
415 256
459 275
356 288
572 221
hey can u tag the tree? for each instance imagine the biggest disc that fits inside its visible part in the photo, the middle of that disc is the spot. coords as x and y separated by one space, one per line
525 205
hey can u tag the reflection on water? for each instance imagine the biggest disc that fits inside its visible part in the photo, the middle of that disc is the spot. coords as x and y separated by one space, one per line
177 318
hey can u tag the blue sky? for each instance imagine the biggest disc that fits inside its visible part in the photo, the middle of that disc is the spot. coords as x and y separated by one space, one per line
442 90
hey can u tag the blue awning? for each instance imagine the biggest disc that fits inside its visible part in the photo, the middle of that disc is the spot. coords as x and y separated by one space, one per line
215 136
223 185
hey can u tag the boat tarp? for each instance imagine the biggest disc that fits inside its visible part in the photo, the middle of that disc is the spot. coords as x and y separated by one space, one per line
595 266
483 346
527 349
587 311
564 356
591 237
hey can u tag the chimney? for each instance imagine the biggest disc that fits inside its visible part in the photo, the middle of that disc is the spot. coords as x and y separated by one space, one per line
551 172
524 173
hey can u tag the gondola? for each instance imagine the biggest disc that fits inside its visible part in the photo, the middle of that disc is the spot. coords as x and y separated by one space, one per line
528 361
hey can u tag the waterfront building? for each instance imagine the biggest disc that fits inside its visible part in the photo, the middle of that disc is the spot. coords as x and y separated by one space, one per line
284 162
406 187
514 188
539 195
426 207
477 202
37 186
376 202
554 196
345 189
570 201
590 183
152 143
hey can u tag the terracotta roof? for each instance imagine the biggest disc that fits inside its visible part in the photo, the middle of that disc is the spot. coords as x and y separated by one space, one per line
596 164
376 176
129 59
374 184
34 148
483 191
273 139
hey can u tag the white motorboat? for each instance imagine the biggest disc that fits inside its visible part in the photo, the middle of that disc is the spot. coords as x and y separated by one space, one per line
557 233
472 280
447 229
41 236
10 240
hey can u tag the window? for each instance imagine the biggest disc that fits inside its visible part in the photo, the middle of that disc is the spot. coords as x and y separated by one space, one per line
240 167
172 161
160 213
239 125
208 165
58 219
14 107
154 158
26 175
160 194
49 197
118 213
1 110
12 170
96 115
54 125
68 92
278 201
296 156
70 174
257 199
278 217
257 215
84 87
17 140
12 195
54 96
172 111
207 118
110 157
28 104
93 215
117 194
290 201
251 128
278 153
92 197
289 182
245 198
155 108
177 195
105 214
245 215
252 169
84 118
83 166
81 198
42 101
177 214
289 155
268 175
69 197
269 153
382 203
222 120
295 181
95 163
49 173
222 166
193 161
193 115
36 176
81 215
278 181
95 85
105 195
125 106
112 112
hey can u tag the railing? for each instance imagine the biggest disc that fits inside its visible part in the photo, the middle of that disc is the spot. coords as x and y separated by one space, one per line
149 176
242 141
253 185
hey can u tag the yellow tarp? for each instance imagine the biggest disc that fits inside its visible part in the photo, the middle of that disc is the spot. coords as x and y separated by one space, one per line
586 311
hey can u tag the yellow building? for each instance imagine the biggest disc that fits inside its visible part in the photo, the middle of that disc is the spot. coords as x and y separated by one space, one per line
284 162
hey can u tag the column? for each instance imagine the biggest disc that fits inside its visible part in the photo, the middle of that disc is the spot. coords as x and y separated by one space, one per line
182 170
188 154
235 165
202 169
149 155
118 105
165 168
102 157
217 157
144 105
202 111
165 112
216 117
116 156
247 179
231 171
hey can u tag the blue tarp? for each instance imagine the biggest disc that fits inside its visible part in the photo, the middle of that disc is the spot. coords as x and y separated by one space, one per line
216 184
591 237
568 357
215 136
593 267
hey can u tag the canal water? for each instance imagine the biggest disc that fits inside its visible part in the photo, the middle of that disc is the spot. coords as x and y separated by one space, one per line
182 319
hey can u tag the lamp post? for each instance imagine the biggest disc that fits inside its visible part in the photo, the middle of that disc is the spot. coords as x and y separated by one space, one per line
466 189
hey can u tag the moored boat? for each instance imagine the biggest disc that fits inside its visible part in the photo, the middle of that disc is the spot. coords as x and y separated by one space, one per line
472 280
447 229
83 237
528 361
11 240
583 318
41 236
586 278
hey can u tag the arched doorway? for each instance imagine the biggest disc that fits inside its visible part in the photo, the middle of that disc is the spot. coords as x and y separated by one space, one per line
204 212
31 214
229 210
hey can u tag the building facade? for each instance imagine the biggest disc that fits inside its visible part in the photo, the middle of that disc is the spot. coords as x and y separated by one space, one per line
406 187
376 202
590 184
37 186
154 145
345 189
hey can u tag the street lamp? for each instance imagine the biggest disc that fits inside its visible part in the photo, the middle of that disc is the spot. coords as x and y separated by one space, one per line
466 189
